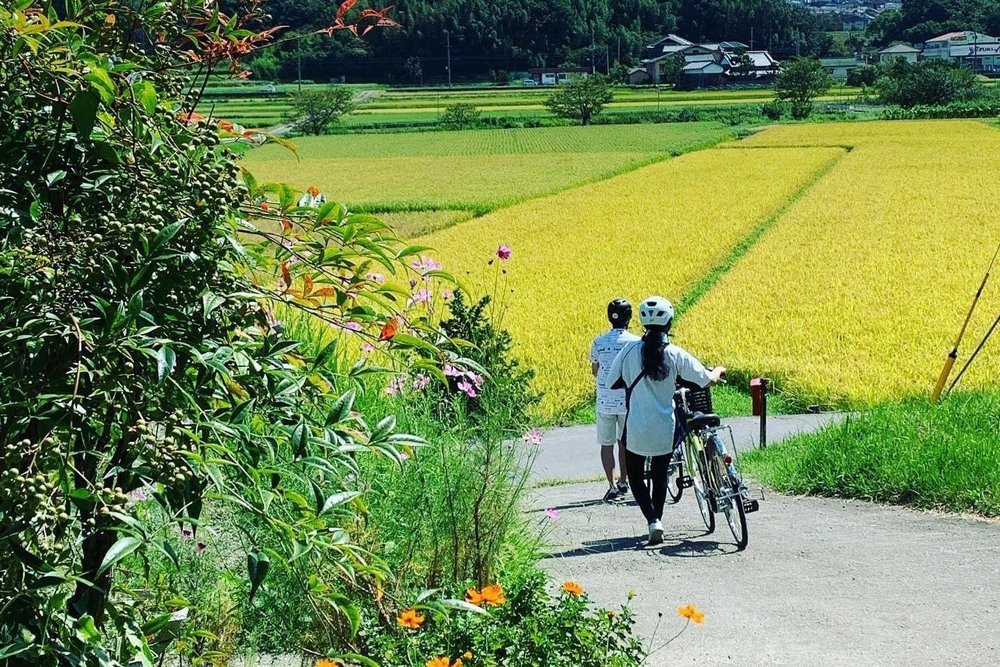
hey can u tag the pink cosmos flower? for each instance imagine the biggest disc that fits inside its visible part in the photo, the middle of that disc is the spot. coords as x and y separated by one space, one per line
447 294
534 437
376 278
468 388
404 456
138 495
451 372
351 326
421 296
552 513
421 382
425 264
367 347
504 252
397 385
477 379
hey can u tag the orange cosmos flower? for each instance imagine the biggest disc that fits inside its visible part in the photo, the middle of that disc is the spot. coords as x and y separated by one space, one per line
442 661
472 596
327 662
573 588
493 595
411 618
690 612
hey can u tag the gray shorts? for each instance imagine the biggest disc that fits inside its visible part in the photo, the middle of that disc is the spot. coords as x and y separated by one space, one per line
609 429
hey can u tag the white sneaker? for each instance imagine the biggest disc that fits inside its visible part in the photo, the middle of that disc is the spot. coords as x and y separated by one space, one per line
656 532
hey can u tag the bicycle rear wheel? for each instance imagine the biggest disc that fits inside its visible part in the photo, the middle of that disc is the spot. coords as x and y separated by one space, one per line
699 475
736 517
674 474
736 514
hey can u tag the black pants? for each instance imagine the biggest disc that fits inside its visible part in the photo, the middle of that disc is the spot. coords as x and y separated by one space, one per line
652 497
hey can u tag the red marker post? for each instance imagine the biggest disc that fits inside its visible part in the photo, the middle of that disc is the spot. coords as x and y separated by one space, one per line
758 393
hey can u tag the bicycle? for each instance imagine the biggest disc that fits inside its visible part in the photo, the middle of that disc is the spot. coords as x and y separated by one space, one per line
711 470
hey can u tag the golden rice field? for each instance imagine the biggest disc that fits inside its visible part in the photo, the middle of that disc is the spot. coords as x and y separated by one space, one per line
658 229
857 291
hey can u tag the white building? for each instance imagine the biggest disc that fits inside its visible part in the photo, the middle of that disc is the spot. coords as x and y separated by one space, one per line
975 50
907 53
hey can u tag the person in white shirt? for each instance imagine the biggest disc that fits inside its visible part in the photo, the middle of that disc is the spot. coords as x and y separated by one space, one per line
312 198
611 403
648 371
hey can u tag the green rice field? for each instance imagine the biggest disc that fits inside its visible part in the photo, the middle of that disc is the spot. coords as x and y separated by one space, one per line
472 170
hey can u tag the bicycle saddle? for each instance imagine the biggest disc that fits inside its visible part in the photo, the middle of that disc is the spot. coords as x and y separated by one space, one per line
700 420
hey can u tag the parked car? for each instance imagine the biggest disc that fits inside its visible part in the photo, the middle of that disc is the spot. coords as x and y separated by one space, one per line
528 82
268 89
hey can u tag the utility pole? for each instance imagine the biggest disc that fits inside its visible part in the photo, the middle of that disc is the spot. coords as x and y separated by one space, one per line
593 64
751 38
300 70
607 60
619 48
448 38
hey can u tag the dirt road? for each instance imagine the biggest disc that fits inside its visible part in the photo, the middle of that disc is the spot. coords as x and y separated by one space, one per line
823 581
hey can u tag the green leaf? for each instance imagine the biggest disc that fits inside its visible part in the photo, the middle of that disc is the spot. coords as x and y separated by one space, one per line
383 429
359 659
165 236
462 605
83 108
145 92
134 306
99 78
341 409
300 438
86 631
166 359
55 177
258 565
119 550
338 499
211 301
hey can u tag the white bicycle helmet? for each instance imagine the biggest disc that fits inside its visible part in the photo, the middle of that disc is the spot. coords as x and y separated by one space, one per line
656 311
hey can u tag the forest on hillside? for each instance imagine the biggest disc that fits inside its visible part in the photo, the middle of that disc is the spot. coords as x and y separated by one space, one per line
487 36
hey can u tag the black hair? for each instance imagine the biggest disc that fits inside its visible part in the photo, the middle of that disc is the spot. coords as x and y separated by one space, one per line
654 342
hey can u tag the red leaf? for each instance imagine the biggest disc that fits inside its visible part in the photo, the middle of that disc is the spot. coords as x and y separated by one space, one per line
390 329
307 289
286 224
345 7
286 275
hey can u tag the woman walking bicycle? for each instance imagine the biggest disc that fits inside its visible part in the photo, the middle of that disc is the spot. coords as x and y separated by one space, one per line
648 371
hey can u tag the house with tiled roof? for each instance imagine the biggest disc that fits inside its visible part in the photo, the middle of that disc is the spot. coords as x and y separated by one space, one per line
711 64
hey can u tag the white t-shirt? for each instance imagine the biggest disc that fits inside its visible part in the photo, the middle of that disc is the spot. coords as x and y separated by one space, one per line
603 351
649 426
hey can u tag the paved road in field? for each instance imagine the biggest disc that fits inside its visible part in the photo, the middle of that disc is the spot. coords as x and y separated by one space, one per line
823 581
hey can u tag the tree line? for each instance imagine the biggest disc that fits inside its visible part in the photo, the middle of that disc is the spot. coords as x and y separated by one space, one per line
486 36
920 20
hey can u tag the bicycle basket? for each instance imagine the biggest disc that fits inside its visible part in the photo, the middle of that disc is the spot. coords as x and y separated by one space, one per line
700 400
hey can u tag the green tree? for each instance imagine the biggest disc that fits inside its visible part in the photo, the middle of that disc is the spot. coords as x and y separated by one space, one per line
581 99
459 117
414 69
315 111
799 82
929 82
140 351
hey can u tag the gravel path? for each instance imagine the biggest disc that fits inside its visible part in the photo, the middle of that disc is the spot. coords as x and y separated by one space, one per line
823 581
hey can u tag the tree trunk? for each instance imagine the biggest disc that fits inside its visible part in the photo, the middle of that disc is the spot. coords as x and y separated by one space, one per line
93 600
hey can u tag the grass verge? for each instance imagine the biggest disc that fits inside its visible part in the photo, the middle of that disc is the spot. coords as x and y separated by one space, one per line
906 452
